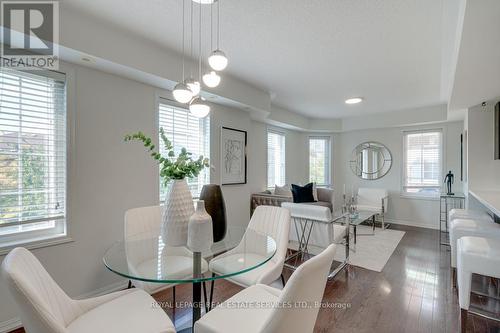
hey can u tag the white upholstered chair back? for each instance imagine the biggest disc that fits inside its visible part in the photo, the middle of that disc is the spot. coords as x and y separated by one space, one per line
305 286
44 306
372 197
274 222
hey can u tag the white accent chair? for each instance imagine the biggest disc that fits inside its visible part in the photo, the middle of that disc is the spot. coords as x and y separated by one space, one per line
305 286
144 222
46 308
476 255
268 220
373 200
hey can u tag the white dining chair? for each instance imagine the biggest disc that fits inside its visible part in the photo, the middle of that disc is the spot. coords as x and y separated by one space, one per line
373 200
144 223
46 308
264 309
268 220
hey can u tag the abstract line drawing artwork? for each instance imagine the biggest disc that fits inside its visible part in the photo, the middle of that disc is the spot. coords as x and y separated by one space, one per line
233 156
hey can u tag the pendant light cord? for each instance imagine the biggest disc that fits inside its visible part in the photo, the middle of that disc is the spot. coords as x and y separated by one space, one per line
218 23
183 16
211 26
191 41
199 53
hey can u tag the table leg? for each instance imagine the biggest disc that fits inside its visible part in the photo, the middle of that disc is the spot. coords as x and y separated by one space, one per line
196 287
355 234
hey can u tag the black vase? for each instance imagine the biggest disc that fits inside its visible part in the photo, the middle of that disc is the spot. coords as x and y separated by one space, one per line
216 208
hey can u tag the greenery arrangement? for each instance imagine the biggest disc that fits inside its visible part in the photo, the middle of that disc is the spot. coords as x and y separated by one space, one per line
172 167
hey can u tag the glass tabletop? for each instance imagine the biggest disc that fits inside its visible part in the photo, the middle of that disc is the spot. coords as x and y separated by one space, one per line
145 257
360 217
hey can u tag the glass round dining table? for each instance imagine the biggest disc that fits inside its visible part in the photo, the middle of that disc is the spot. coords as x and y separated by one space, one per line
146 258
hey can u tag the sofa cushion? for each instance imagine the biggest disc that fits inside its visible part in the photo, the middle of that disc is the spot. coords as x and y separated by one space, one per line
282 191
303 193
322 204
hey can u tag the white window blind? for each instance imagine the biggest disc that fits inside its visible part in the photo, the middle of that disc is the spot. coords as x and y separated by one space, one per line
423 162
275 158
32 153
319 160
190 132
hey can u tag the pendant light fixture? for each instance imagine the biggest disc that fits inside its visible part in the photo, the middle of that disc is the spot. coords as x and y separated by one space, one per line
211 79
218 60
182 93
198 106
191 82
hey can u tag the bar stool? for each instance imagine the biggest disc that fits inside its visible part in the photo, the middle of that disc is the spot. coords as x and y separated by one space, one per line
457 213
478 255
469 227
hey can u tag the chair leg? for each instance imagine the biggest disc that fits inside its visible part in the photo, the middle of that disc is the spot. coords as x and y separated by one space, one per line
205 299
283 280
129 284
173 297
463 320
211 293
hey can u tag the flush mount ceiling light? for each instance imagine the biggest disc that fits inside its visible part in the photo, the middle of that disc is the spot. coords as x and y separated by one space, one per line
199 107
211 79
354 100
205 2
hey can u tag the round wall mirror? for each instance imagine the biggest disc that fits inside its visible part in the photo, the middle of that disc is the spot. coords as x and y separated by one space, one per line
371 160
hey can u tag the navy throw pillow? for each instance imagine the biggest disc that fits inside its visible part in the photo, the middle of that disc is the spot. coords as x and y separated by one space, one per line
302 193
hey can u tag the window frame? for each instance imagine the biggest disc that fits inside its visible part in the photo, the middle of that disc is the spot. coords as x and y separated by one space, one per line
328 176
59 232
162 99
423 196
277 132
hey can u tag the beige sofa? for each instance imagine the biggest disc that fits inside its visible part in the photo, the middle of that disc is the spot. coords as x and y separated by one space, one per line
268 198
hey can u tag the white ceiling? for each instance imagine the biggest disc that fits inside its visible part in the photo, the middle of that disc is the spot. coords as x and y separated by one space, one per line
311 55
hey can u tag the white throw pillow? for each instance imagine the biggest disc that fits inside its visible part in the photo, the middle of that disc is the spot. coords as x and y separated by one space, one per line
283 191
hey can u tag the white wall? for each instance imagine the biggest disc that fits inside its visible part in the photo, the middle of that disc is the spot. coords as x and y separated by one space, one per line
418 212
108 176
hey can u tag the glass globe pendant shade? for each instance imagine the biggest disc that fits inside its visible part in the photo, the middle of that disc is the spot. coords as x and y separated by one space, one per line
193 85
218 60
199 107
182 93
211 79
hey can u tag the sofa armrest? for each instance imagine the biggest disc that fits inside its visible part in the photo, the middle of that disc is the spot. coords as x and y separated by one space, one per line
326 195
264 199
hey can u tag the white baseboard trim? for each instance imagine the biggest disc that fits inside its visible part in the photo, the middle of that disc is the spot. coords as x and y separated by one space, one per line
412 223
15 323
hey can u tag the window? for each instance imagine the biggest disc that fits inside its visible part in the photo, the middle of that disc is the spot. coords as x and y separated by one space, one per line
423 162
190 132
275 158
319 160
32 156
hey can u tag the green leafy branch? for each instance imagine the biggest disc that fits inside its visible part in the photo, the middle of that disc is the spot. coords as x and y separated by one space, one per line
171 167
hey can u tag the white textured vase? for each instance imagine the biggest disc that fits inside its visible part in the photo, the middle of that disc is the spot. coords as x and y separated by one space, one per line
200 232
177 211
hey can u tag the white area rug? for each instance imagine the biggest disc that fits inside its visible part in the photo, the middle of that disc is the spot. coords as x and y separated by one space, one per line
372 252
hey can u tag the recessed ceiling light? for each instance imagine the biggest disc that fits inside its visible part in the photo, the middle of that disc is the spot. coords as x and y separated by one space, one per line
354 100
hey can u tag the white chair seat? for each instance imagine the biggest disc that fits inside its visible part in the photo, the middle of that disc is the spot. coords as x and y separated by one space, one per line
133 312
240 312
237 262
469 227
457 213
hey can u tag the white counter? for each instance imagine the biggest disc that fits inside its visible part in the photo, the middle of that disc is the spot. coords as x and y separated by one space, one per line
489 198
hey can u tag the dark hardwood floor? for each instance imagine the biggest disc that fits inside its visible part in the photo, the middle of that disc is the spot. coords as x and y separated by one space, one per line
412 294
